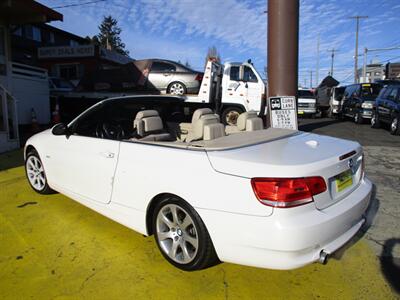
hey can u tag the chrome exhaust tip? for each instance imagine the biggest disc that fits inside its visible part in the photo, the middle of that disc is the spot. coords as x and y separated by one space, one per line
323 257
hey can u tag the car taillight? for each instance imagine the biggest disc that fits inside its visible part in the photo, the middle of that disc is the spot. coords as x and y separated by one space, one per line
199 77
287 192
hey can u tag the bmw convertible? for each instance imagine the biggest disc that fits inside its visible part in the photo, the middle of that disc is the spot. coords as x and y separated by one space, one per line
270 198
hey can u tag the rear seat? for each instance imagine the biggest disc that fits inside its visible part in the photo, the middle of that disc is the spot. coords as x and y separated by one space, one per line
149 126
205 126
247 121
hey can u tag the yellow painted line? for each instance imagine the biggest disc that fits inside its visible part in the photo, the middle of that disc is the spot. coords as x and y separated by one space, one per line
59 249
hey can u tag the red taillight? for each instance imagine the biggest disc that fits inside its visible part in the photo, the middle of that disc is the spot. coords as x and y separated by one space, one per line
199 77
287 192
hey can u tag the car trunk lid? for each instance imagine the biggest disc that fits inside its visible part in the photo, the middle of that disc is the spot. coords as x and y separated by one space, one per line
296 156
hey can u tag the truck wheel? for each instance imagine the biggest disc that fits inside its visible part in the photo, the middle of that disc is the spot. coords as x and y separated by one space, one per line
177 88
230 115
375 123
395 126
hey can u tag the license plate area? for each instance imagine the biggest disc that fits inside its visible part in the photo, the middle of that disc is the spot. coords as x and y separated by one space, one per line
343 181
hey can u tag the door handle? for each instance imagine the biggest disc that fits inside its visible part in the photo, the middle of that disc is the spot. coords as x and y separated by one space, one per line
107 154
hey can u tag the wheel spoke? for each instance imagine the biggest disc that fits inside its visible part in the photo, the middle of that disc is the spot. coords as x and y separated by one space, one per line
174 213
186 222
164 235
31 165
173 250
185 252
166 221
191 240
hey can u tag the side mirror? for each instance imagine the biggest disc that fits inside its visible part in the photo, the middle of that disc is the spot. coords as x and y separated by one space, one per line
60 129
246 85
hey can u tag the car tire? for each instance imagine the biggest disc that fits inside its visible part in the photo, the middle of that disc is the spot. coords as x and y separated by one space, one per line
395 126
34 171
358 119
177 88
230 115
375 123
181 235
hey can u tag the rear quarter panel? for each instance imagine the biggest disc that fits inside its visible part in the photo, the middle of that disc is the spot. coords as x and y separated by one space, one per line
146 170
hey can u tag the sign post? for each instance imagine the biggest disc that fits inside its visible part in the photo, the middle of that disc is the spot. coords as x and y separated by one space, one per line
283 112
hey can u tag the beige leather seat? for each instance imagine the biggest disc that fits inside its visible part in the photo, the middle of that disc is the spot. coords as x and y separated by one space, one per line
149 126
247 121
205 126
186 127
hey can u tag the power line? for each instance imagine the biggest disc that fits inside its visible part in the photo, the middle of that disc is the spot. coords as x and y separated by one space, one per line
78 4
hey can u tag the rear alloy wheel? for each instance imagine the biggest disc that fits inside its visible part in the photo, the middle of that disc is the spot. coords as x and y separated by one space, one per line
35 173
375 123
182 236
394 126
230 115
177 88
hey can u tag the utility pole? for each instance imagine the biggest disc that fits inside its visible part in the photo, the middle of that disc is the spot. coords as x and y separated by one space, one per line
357 18
283 47
365 64
332 58
311 79
317 70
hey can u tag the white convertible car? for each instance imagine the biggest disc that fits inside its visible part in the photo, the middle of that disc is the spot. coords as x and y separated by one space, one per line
268 198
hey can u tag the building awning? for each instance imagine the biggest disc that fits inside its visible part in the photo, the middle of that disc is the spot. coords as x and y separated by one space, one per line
17 12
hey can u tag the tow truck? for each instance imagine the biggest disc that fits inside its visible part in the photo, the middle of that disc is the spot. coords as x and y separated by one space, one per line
229 89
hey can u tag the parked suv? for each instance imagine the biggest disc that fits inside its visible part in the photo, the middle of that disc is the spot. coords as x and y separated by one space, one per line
174 78
387 108
359 100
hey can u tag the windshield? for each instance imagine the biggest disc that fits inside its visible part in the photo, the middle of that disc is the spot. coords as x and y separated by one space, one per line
305 94
368 90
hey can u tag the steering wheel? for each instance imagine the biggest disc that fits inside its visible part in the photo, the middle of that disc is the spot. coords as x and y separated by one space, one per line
109 130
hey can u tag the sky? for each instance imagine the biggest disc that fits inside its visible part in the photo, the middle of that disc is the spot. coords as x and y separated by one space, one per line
184 30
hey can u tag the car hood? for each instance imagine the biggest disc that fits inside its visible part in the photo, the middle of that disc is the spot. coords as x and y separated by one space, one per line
295 156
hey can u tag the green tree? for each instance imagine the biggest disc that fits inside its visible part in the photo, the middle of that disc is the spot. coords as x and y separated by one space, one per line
109 35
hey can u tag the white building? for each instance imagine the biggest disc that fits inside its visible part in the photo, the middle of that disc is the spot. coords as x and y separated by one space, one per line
18 81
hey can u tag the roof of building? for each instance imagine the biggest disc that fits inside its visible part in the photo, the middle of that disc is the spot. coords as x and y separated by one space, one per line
27 11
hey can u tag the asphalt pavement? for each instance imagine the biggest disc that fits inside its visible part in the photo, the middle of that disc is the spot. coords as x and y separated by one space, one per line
382 152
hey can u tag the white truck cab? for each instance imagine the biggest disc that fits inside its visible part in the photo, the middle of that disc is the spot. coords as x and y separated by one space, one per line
234 87
306 102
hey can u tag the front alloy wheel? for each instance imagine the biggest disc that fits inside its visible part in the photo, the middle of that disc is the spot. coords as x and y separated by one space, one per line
394 126
35 174
182 236
375 121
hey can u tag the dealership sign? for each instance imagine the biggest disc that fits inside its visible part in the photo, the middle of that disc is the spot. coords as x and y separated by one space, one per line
283 112
66 51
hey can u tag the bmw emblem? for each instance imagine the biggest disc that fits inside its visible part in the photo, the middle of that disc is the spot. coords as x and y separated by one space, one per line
352 166
351 163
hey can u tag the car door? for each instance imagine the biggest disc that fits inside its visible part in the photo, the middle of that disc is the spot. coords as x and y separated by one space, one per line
83 163
390 104
234 90
161 74
346 100
254 88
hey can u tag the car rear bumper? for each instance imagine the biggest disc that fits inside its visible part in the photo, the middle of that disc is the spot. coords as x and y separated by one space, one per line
289 238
